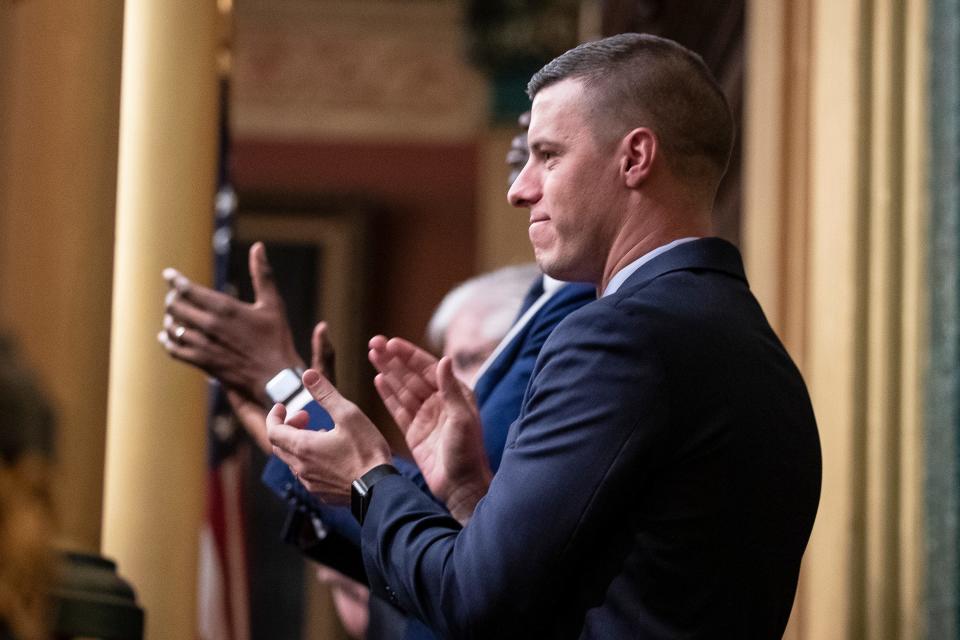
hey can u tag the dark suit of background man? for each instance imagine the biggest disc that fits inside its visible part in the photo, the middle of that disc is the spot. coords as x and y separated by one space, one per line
664 473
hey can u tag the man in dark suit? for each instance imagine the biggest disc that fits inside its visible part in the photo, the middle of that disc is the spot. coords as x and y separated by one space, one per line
499 387
498 391
664 474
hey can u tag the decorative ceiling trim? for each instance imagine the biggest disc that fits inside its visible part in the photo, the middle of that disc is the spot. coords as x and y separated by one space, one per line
368 70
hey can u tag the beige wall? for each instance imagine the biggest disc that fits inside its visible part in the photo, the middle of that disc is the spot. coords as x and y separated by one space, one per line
60 77
501 229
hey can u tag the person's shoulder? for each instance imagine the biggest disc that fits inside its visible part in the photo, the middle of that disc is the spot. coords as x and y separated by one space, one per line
603 336
584 324
641 313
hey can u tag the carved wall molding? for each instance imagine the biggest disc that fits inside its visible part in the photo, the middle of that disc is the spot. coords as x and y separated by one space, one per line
354 70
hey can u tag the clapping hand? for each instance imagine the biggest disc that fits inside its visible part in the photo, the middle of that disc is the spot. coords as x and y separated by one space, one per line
439 419
327 462
242 345
253 416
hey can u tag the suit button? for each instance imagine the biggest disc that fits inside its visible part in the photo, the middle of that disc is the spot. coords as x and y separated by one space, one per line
392 596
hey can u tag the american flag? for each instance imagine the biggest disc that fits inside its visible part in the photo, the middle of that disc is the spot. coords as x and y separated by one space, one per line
223 582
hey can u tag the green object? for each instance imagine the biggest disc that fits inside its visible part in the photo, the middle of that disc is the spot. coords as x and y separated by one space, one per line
92 601
509 95
942 428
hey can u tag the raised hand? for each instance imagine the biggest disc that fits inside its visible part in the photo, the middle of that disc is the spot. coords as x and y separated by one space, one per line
252 417
242 345
327 462
322 356
439 419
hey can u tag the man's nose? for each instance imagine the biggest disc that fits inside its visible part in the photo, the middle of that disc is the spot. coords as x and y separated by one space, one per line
525 190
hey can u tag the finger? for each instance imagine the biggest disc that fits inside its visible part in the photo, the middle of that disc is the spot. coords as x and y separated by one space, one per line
183 333
170 275
186 313
251 416
204 297
300 420
420 383
288 459
317 340
378 356
261 274
184 353
282 436
397 411
392 387
453 391
277 414
414 357
322 356
344 413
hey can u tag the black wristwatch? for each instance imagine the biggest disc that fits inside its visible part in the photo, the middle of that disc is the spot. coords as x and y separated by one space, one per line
361 491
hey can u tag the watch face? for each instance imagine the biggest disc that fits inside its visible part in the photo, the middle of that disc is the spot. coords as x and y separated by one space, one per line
283 385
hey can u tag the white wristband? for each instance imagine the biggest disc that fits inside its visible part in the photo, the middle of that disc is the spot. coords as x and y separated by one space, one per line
284 386
299 401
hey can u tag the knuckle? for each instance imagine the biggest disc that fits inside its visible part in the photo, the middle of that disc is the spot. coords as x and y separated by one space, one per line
226 308
299 449
351 412
213 325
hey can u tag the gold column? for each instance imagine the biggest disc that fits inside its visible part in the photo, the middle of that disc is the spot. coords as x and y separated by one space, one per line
834 228
155 438
59 110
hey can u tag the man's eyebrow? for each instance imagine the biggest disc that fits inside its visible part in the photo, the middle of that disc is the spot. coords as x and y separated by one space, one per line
537 145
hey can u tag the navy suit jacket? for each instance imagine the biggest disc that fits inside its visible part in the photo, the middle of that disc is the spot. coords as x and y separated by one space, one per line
661 481
330 535
499 391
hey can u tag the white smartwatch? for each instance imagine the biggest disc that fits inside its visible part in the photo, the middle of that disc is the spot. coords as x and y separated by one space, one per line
287 388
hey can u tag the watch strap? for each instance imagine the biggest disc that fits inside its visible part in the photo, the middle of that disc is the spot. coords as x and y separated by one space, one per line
301 399
361 491
285 385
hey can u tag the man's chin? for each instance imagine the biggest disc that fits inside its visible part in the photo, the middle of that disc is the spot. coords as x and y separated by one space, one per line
558 270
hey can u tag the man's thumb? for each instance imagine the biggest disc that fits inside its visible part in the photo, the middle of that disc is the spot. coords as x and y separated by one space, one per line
261 274
327 395
450 387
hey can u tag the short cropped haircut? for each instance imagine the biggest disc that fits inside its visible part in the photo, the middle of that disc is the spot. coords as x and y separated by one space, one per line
641 80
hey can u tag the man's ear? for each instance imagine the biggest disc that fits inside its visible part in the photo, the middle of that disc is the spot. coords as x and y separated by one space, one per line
640 148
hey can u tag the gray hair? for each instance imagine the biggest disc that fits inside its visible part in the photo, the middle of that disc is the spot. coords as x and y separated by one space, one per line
498 294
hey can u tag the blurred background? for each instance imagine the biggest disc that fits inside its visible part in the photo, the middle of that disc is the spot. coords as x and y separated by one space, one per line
365 142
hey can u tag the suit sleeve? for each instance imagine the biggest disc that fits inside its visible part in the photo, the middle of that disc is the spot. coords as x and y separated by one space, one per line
328 534
552 531
325 534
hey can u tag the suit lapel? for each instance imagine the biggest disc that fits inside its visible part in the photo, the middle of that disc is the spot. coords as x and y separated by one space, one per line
505 360
714 254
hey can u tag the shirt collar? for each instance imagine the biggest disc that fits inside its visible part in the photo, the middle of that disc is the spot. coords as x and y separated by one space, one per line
551 284
621 276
